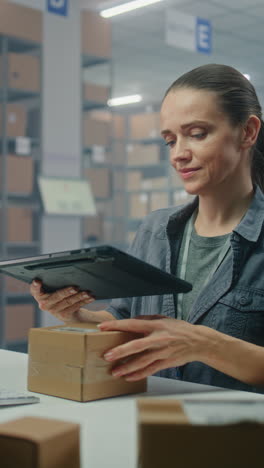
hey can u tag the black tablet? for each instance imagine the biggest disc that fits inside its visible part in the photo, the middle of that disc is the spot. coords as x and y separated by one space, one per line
103 270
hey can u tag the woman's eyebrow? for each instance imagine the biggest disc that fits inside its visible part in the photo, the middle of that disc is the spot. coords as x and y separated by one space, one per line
184 126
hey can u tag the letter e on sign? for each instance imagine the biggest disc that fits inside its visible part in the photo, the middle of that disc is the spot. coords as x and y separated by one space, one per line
59 7
203 36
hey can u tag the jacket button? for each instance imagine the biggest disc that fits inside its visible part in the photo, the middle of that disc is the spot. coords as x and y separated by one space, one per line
244 300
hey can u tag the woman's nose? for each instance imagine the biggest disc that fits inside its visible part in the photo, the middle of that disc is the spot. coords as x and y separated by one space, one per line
180 153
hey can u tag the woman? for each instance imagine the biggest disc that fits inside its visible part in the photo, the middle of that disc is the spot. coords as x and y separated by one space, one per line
211 120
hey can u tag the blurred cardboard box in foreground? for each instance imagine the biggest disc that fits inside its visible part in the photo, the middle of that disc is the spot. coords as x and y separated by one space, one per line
168 438
39 443
67 361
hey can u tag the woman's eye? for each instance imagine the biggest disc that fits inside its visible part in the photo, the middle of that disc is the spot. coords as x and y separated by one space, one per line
170 143
199 136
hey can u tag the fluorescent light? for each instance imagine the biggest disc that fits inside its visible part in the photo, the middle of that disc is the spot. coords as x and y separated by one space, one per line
246 75
125 7
120 101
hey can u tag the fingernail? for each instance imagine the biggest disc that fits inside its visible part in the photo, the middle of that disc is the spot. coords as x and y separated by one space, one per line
35 283
72 291
117 373
109 356
85 295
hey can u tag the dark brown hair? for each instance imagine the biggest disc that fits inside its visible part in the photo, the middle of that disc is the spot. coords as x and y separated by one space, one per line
238 99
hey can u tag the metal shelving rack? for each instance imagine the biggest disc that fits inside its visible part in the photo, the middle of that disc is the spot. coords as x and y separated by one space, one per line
7 145
149 171
94 62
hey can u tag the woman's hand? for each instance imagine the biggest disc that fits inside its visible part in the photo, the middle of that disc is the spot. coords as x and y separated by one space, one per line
65 304
166 343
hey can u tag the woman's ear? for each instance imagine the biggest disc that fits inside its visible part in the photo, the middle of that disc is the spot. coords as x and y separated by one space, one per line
250 131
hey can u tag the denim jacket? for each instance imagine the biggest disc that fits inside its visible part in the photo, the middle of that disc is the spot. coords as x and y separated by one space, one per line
232 302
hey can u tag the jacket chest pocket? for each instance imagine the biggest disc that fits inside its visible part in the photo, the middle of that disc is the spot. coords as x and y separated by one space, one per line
240 313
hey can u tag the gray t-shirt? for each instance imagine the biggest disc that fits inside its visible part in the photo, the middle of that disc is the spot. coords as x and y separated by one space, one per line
203 255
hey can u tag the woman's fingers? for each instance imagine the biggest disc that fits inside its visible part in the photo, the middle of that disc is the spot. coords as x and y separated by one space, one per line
130 325
155 340
136 364
63 300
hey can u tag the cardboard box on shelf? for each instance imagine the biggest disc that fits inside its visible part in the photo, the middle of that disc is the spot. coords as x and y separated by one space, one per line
20 21
19 174
119 205
138 205
96 93
158 200
19 224
127 181
95 35
32 442
143 155
93 228
67 361
95 131
15 286
15 120
145 125
167 437
154 183
181 197
119 128
23 72
19 319
118 155
175 179
100 180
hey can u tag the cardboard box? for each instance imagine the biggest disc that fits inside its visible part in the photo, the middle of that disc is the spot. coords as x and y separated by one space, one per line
118 155
158 200
145 125
154 183
19 224
96 93
143 155
70 364
93 228
14 286
175 179
167 438
19 319
19 21
119 205
95 131
23 72
127 181
181 197
19 174
139 205
15 121
100 181
119 127
95 35
32 442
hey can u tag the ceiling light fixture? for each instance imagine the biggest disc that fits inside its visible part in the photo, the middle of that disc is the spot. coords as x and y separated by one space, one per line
126 7
246 75
120 101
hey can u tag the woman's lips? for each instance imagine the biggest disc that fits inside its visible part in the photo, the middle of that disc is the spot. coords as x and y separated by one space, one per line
188 172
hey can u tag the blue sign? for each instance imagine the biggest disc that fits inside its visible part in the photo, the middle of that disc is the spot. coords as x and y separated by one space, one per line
59 7
203 36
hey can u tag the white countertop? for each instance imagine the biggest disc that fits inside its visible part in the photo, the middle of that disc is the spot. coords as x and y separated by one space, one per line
108 427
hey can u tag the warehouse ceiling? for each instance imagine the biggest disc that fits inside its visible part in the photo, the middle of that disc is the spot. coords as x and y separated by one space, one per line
143 63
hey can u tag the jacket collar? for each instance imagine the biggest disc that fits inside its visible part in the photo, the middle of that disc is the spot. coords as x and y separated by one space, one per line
249 227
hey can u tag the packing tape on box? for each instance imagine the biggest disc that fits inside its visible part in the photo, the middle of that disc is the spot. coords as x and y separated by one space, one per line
98 371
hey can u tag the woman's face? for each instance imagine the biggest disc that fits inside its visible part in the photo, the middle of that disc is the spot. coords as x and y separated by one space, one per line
204 146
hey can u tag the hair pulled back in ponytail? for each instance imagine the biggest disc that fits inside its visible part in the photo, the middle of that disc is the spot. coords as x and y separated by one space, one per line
237 98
